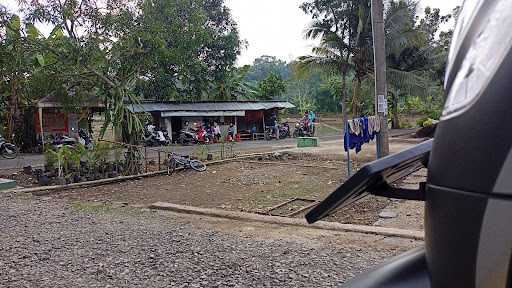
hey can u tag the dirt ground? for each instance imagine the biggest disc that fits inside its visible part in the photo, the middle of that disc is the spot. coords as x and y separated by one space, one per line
251 186
21 178
256 185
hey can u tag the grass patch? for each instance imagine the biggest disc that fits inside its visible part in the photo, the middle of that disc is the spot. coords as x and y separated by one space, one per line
328 130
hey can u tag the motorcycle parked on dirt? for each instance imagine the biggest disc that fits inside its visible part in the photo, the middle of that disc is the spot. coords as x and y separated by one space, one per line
301 130
284 130
8 150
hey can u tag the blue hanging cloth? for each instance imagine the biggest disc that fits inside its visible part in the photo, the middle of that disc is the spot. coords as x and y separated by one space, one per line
353 141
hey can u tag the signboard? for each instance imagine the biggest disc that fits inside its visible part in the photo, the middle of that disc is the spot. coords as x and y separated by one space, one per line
382 104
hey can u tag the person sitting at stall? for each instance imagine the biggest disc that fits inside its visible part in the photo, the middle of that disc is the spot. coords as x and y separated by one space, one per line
201 134
187 126
254 130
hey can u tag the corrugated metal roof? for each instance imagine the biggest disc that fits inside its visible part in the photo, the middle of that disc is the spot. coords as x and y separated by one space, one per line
51 101
210 106
202 113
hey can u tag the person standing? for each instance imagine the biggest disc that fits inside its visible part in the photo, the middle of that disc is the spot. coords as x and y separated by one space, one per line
231 132
274 124
216 131
312 118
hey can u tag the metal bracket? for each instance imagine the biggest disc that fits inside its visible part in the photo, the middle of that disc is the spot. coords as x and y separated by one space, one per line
386 190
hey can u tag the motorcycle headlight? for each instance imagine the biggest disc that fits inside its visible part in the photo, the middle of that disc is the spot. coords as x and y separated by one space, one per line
487 45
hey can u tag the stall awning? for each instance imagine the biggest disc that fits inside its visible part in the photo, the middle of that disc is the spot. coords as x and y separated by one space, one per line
210 106
202 113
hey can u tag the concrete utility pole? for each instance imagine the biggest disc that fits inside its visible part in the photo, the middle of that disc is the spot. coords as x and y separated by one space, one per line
379 54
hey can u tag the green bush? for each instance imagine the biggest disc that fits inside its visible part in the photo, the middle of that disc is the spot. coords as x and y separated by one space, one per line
420 121
428 122
201 152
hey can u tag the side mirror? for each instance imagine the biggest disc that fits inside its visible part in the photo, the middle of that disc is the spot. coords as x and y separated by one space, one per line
377 178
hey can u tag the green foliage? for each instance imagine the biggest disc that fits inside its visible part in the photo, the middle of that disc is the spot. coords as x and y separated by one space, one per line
117 51
65 159
264 66
235 86
416 55
271 88
344 30
193 47
50 158
18 58
201 152
427 123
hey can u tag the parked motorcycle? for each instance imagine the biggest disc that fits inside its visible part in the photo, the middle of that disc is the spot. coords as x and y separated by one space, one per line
301 130
155 137
203 136
8 150
85 139
284 130
187 136
62 140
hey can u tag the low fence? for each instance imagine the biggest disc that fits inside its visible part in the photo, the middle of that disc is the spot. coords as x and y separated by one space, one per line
153 158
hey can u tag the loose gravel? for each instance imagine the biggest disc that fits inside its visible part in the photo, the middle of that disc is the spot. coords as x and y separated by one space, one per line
45 242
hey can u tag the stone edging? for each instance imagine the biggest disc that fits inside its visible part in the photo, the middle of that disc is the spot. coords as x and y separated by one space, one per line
243 216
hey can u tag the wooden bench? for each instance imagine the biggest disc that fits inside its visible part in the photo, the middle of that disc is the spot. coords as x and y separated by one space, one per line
245 136
258 136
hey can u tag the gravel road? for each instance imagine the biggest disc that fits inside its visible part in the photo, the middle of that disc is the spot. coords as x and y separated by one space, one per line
46 242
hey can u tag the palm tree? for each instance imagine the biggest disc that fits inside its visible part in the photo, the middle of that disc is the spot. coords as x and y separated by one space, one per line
345 44
234 86
344 30
408 55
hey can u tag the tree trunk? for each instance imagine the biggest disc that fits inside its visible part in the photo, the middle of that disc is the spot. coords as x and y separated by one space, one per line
13 117
343 98
355 98
395 122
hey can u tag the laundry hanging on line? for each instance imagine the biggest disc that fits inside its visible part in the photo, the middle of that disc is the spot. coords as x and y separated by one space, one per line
360 131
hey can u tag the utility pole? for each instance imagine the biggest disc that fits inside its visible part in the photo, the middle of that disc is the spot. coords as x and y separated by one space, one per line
379 55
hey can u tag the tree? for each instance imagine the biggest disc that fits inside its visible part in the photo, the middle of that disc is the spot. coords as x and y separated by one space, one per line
195 43
415 55
263 66
19 59
234 86
101 47
413 52
344 30
271 88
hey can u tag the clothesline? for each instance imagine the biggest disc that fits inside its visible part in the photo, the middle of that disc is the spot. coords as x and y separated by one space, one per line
360 131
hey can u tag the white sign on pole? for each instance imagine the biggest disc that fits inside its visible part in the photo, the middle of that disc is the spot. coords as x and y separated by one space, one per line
382 104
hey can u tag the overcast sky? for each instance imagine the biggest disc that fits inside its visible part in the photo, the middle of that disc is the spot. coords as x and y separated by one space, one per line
275 27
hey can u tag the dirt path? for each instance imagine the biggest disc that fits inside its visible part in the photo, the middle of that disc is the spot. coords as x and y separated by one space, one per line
239 186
